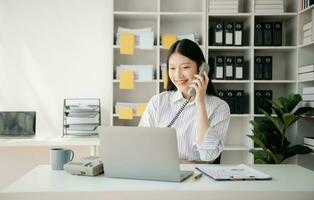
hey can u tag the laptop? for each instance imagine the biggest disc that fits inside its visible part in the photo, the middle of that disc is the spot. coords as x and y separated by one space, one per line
141 153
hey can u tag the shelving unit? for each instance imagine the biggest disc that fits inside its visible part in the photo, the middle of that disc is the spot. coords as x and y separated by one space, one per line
178 17
305 53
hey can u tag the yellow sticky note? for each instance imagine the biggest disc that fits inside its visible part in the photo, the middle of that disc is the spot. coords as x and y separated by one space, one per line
140 108
125 113
127 41
167 40
127 80
165 79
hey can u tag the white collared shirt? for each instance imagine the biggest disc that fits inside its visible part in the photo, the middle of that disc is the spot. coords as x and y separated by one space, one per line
162 108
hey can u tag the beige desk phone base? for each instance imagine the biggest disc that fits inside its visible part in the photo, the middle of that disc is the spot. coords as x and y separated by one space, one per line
85 166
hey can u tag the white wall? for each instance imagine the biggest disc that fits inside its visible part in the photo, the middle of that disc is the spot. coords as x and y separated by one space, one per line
51 50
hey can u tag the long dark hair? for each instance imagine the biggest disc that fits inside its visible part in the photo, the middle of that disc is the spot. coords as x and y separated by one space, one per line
191 50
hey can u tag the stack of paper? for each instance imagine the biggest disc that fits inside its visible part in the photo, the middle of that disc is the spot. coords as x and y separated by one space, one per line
306 72
163 70
81 116
168 39
127 110
308 96
223 6
309 142
269 6
307 32
144 38
141 72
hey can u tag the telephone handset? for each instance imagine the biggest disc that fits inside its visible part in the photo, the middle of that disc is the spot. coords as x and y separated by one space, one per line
191 92
203 68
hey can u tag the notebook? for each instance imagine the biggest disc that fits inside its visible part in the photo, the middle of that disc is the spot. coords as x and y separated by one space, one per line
238 172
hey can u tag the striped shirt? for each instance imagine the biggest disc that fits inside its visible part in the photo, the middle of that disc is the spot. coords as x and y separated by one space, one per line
162 108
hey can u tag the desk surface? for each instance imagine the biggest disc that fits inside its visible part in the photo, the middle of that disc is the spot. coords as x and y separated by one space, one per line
289 182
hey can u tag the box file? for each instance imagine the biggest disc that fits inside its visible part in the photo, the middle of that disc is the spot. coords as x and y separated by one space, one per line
219 35
229 33
229 67
267 68
267 96
258 68
239 61
238 33
268 34
211 63
229 96
219 72
258 102
258 36
239 102
277 34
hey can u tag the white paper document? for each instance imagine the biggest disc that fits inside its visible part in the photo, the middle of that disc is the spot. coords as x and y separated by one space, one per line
237 172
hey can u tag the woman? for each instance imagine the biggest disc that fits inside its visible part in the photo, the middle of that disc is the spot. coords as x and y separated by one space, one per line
202 125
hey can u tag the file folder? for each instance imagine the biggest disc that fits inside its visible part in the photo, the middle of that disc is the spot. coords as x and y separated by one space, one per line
211 63
258 68
219 36
258 36
229 68
267 96
239 102
277 34
239 60
258 101
268 34
238 33
229 33
267 68
230 100
219 69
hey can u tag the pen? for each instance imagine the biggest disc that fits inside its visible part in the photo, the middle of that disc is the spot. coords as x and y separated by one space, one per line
198 176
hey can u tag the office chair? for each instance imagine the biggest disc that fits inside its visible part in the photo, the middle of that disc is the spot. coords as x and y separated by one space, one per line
217 160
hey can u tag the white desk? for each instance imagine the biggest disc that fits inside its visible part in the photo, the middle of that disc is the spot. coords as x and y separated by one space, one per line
289 182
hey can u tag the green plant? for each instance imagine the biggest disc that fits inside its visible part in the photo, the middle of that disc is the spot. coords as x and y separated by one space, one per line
270 132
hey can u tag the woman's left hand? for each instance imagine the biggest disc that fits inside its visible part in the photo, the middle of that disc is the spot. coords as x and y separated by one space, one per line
200 86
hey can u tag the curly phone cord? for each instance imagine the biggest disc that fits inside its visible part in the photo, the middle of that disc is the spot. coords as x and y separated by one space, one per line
178 113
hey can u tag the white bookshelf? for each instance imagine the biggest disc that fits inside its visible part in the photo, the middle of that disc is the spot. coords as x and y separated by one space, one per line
305 126
182 16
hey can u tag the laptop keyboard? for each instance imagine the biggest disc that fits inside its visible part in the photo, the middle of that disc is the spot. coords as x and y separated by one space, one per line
184 173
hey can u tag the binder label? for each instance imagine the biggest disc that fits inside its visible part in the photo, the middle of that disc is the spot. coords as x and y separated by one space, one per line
239 73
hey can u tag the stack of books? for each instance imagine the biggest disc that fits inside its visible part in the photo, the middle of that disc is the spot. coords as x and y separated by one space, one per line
81 117
133 106
141 72
269 6
308 96
307 33
223 6
306 72
309 142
